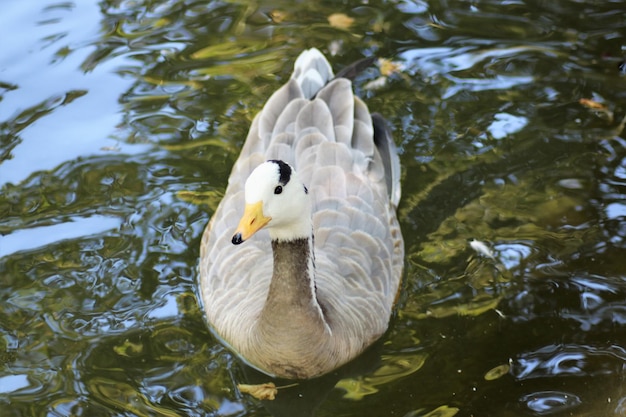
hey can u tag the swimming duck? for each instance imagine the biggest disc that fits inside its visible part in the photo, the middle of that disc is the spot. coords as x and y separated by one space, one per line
301 263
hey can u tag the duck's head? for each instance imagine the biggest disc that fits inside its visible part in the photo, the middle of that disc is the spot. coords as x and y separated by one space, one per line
276 199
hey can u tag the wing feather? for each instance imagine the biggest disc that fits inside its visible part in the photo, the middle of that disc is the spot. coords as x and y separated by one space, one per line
275 107
315 117
340 100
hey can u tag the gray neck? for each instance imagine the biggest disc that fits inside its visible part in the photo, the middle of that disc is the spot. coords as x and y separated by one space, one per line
292 325
291 303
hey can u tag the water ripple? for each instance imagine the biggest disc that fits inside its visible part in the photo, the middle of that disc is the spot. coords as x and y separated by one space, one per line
569 360
549 402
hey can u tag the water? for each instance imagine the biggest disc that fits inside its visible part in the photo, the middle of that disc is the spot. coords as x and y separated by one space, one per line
119 123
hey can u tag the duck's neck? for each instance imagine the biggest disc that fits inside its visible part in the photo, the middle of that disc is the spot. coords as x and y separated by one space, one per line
291 307
293 325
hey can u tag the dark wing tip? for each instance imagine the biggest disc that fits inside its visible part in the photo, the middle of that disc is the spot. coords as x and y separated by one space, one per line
351 71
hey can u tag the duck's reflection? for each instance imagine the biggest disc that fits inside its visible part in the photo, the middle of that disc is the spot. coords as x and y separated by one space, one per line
303 398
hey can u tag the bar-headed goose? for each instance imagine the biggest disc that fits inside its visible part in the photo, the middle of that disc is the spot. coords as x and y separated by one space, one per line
301 263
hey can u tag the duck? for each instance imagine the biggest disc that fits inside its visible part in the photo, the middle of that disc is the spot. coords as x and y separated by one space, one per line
301 263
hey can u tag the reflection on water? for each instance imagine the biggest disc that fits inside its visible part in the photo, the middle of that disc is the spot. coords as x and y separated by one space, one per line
550 402
24 239
119 122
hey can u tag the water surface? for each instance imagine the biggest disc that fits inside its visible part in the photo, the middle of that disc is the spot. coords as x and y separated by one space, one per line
120 120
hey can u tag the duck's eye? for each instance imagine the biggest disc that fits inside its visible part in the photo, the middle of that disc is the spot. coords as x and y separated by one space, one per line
278 190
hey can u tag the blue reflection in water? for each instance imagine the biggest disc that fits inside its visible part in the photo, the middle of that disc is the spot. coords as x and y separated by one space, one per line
512 254
506 124
568 360
537 364
11 383
27 239
57 39
548 402
168 308
615 210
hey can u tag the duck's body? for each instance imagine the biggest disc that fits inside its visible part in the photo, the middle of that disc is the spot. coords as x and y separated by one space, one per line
316 286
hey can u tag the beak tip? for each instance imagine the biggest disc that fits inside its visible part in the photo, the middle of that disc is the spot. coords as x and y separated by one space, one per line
237 239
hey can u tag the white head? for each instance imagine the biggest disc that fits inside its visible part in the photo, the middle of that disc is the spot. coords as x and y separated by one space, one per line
276 198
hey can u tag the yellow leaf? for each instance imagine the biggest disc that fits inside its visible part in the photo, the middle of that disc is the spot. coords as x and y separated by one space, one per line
266 391
388 67
340 20
497 372
598 108
278 16
591 104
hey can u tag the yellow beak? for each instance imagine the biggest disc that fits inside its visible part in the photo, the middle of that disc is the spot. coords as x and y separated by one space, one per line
251 222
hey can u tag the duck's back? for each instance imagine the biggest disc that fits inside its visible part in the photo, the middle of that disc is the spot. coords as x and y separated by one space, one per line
348 162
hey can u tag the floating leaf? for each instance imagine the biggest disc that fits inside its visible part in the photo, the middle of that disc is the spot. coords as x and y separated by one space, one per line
278 16
598 108
389 67
592 104
340 20
497 372
265 391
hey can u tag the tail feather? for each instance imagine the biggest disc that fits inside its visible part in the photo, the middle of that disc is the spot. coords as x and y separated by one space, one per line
312 71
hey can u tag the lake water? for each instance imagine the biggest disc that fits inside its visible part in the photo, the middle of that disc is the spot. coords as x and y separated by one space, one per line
120 120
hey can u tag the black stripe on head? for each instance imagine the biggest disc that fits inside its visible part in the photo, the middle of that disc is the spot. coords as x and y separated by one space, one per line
284 171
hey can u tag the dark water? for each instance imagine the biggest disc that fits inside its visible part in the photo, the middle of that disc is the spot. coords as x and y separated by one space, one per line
119 121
